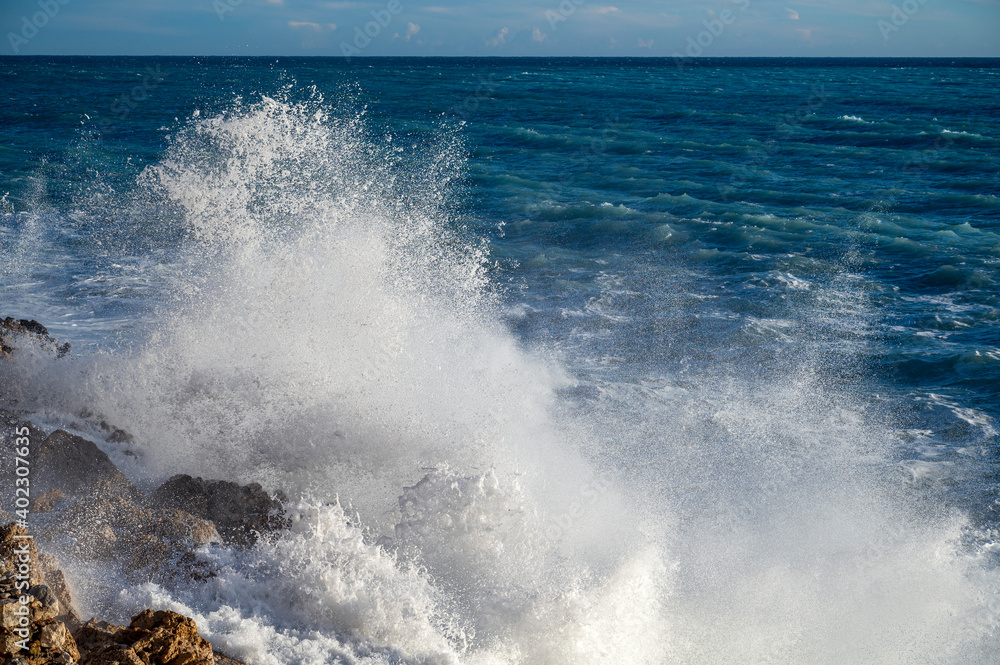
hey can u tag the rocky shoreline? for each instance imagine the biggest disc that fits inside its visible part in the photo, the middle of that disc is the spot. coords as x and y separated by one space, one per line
82 505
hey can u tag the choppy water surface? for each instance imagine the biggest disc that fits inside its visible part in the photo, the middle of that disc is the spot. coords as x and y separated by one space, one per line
607 361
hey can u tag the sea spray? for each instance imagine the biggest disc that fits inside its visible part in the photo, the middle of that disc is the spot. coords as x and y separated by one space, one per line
332 334
337 338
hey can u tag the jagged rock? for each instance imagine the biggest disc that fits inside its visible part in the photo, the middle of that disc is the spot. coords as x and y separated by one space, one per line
56 637
120 436
56 582
163 547
151 544
13 431
239 512
12 331
171 524
46 598
77 467
49 641
152 638
11 549
99 543
94 634
223 659
10 617
114 654
93 523
47 501
8 646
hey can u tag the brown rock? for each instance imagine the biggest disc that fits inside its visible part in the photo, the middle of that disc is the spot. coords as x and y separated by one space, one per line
176 525
47 501
10 614
148 553
153 638
56 636
169 638
40 613
77 467
56 582
239 512
113 654
8 644
149 543
99 543
223 659
94 634
11 546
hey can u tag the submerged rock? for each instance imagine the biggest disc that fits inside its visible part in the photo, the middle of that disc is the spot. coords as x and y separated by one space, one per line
239 512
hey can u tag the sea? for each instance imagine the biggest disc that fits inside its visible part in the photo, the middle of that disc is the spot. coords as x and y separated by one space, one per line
558 361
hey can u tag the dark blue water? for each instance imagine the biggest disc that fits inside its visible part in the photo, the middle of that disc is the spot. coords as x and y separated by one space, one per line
741 255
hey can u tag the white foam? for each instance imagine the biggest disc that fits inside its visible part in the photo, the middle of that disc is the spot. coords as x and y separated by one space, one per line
332 336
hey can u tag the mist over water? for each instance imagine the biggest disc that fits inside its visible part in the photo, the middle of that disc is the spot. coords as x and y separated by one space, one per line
329 325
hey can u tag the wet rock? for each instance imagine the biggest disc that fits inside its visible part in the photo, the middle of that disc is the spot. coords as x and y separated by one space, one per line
239 512
56 582
152 638
47 501
120 436
13 332
44 595
77 467
98 544
164 548
173 525
13 432
151 545
92 525
223 659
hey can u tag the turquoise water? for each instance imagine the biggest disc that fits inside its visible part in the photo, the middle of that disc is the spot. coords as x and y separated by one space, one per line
761 296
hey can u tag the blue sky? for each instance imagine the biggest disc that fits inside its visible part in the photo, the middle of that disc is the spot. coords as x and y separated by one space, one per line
511 28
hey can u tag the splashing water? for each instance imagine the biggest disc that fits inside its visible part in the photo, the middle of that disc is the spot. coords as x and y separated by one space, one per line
331 334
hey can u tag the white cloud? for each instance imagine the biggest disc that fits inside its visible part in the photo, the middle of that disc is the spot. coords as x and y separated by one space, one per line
411 30
646 43
501 38
305 24
792 14
537 35
607 10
